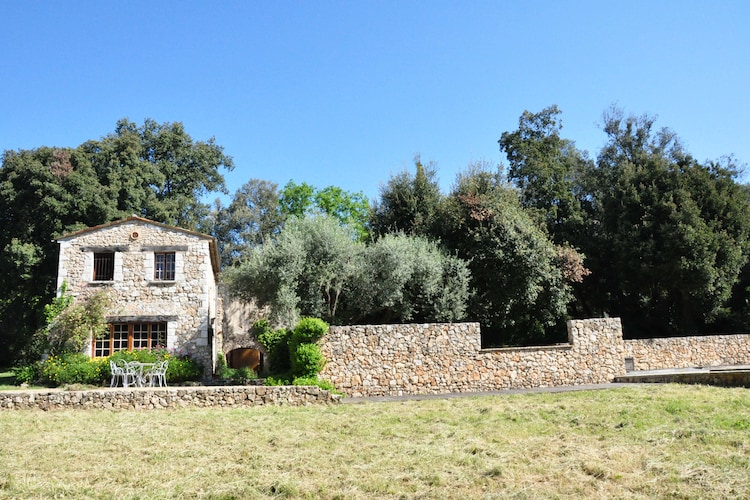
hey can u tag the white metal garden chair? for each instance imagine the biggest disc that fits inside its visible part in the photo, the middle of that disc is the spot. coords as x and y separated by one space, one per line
121 373
157 376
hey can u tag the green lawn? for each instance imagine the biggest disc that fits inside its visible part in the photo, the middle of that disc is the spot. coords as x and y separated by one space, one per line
647 441
7 380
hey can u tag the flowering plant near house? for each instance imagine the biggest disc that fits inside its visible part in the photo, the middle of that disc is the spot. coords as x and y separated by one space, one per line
77 368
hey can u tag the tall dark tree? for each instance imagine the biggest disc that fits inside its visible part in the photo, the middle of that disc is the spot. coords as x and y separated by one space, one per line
156 171
251 218
409 203
671 234
550 173
43 192
518 276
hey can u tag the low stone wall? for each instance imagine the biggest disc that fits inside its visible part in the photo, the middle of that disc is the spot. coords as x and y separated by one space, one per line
166 398
685 352
383 360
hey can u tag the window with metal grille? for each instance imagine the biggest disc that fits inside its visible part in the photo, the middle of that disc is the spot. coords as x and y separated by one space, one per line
164 266
104 266
129 336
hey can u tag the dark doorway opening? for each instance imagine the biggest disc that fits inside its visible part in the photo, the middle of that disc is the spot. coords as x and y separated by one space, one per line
245 357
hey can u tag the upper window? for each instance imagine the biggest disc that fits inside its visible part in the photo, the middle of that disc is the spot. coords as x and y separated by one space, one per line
164 266
104 266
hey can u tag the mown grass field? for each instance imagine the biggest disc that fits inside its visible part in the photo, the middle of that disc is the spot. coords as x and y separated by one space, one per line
638 442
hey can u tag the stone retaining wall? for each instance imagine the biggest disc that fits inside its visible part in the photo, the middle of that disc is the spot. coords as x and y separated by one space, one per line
686 352
166 398
382 360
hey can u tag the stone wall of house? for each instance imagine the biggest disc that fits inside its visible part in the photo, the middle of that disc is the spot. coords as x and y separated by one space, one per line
165 398
187 304
686 352
379 360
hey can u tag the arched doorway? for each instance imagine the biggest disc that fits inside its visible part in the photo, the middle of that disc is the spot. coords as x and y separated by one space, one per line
245 357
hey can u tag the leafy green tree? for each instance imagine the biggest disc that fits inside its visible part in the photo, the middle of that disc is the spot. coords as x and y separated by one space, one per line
252 217
350 209
671 234
157 171
550 173
409 203
302 271
519 284
154 170
297 199
403 278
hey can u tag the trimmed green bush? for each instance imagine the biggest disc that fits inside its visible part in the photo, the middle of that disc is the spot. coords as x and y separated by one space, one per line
276 343
309 331
307 360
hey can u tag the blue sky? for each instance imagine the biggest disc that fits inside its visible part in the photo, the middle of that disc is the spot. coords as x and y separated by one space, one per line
346 93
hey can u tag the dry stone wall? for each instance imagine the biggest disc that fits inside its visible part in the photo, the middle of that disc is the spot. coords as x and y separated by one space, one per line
166 398
686 352
381 360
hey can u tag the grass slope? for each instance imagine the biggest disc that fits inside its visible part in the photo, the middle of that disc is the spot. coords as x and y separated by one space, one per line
641 442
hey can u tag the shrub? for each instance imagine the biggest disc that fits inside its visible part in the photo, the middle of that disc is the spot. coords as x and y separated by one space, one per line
74 368
276 343
27 374
140 355
181 368
315 381
243 374
184 369
307 360
221 367
309 331
280 380
236 375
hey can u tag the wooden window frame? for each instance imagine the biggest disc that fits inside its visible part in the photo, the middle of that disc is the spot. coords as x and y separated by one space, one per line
129 336
165 266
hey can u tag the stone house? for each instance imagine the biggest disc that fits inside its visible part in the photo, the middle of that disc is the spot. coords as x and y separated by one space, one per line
162 283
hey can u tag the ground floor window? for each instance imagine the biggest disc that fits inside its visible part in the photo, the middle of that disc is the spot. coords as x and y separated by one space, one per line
129 336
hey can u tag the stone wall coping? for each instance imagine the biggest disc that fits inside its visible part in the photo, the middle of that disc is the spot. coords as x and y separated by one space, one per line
151 398
554 347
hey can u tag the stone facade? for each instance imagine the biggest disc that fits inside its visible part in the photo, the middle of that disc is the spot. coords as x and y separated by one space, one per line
381 360
187 303
686 352
165 398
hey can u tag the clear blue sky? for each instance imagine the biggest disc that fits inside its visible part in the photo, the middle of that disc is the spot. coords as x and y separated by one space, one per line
346 93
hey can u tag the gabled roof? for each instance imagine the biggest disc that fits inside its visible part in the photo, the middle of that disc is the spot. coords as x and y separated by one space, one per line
213 247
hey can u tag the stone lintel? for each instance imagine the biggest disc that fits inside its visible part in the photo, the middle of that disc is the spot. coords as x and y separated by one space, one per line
141 319
114 248
165 248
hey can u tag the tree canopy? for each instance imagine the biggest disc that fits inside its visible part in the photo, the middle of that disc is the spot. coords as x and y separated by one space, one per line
643 231
315 267
155 170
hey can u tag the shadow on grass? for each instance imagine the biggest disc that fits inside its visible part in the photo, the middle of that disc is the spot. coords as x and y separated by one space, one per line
7 378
